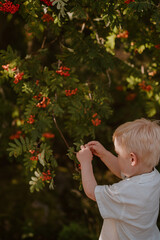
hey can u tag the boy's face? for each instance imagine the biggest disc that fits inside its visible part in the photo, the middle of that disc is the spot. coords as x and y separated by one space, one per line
124 160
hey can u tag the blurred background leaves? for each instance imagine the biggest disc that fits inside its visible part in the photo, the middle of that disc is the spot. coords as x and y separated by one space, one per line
70 72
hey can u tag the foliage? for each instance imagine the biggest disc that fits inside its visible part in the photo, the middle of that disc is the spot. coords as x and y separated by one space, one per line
80 69
74 232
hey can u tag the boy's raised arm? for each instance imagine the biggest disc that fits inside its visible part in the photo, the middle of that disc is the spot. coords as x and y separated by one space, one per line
107 157
85 157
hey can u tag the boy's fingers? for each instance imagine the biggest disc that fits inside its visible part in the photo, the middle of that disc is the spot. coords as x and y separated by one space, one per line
92 147
92 143
82 147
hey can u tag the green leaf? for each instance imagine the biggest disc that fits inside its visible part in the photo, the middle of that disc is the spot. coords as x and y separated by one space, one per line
34 179
37 174
41 158
36 183
23 143
150 109
18 142
13 145
51 185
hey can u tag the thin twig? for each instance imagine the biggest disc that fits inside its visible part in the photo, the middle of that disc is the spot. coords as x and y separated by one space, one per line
54 119
44 40
109 78
2 92
83 27
142 69
97 36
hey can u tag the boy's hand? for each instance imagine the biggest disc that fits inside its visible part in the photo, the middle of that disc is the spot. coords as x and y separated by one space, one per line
97 148
84 154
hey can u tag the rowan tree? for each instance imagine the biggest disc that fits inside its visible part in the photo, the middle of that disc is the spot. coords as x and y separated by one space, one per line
74 70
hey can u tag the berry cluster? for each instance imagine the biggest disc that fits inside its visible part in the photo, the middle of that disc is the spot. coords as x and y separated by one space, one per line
37 82
119 88
129 1
18 77
32 151
123 34
31 119
46 176
95 121
152 73
44 103
16 136
71 92
48 135
5 67
63 71
47 2
131 96
38 97
33 158
79 166
157 46
145 87
47 18
14 69
8 6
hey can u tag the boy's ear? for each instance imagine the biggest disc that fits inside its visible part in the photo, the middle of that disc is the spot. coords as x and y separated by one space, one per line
134 159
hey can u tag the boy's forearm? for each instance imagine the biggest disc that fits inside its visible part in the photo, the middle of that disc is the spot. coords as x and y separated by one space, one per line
111 162
88 179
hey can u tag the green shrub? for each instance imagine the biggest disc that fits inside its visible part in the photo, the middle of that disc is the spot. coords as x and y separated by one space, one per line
74 231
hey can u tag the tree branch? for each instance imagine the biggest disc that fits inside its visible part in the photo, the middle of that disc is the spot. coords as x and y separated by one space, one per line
59 130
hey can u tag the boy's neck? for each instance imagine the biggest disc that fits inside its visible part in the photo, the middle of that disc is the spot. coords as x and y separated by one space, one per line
142 170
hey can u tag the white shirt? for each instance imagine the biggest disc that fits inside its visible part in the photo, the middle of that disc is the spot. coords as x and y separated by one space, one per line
130 208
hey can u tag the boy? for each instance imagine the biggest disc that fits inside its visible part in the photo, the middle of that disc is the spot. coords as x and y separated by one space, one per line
129 208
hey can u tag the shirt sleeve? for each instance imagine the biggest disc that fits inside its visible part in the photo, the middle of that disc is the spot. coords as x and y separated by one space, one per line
109 201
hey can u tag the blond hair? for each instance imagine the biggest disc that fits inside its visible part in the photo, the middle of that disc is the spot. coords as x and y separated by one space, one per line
141 137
